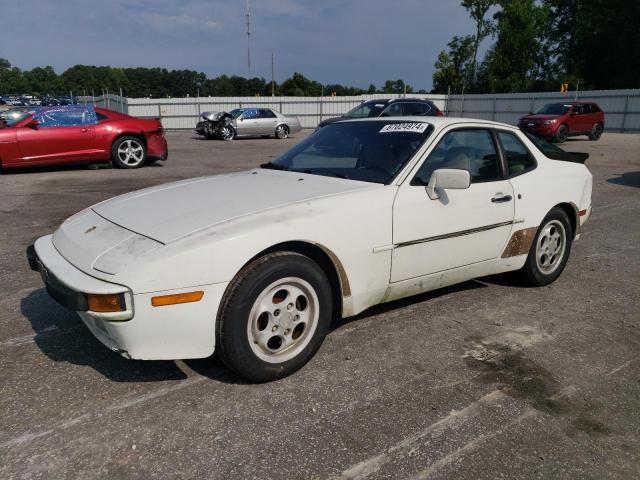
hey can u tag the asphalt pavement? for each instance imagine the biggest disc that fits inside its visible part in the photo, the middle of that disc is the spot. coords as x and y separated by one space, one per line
487 379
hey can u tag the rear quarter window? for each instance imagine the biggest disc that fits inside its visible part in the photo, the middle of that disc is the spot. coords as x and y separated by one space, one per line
519 159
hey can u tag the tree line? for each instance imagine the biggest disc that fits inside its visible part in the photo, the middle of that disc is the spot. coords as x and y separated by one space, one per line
160 82
537 45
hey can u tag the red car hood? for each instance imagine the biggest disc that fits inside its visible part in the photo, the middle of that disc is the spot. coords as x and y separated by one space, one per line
538 118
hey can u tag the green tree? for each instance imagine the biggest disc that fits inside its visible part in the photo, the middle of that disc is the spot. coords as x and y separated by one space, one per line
515 61
396 86
478 10
452 68
300 86
597 41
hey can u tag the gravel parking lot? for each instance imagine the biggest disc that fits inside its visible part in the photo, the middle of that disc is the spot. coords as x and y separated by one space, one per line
487 379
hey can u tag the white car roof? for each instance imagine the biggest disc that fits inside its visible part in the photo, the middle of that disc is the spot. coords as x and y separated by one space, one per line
436 121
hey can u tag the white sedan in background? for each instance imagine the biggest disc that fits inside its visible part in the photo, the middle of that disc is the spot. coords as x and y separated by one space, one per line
256 264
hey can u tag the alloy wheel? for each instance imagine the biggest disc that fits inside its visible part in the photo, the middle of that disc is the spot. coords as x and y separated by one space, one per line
283 320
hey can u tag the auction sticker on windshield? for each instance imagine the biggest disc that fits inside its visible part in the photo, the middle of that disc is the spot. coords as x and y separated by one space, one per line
404 127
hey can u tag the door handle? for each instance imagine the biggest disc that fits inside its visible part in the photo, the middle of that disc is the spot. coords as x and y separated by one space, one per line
500 198
84 129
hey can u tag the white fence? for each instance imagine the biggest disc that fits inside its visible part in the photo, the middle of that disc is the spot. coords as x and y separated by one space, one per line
621 107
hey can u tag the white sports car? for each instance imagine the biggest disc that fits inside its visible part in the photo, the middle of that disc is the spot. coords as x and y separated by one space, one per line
255 265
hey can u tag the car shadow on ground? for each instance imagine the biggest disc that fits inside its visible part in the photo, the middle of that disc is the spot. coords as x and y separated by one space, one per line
72 167
237 139
628 179
62 337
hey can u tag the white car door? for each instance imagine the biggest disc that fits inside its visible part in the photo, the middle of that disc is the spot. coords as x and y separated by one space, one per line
462 227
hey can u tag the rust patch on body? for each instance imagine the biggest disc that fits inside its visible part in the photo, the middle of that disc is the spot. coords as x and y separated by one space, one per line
520 242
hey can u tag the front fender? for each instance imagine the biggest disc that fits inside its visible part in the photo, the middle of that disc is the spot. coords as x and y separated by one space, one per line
348 228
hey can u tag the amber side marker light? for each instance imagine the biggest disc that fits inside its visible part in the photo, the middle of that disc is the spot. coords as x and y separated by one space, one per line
188 297
106 303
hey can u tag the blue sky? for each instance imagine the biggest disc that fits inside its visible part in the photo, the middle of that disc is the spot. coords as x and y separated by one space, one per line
354 42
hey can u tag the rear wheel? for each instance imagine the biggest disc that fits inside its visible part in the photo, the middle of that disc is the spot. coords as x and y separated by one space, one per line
562 134
128 152
282 131
550 249
596 132
274 317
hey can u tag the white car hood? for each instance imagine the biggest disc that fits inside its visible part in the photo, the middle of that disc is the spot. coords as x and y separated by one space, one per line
172 211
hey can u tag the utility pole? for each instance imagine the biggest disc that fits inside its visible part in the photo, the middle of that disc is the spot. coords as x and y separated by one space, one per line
273 82
247 17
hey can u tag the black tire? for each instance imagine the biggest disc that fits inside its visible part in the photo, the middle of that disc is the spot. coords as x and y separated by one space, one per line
562 134
596 132
241 351
282 132
124 152
534 272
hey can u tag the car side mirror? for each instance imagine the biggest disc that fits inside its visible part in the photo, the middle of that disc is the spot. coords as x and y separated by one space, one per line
33 123
447 178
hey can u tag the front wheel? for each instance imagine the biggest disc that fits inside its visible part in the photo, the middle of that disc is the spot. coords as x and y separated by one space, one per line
550 249
128 152
226 133
282 131
275 316
562 134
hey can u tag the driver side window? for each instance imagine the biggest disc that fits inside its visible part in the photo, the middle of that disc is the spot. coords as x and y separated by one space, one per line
472 150
60 118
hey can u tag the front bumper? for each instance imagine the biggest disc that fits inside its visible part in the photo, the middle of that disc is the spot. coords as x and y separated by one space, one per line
147 333
540 130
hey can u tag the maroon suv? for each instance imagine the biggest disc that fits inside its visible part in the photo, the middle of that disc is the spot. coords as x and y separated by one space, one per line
559 121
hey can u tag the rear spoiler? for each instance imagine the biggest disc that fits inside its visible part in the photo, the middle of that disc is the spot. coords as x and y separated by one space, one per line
573 157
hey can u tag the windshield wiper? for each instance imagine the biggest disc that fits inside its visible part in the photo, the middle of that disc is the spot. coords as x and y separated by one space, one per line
273 166
325 172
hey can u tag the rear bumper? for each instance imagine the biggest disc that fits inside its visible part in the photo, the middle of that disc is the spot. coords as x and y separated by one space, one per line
142 332
157 147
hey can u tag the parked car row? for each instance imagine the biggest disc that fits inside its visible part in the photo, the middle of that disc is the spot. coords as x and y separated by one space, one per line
48 135
555 121
35 101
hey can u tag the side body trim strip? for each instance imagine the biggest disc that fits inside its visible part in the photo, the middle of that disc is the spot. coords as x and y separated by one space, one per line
456 234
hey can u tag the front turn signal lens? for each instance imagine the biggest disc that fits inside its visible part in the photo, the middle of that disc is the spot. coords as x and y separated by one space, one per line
106 303
188 297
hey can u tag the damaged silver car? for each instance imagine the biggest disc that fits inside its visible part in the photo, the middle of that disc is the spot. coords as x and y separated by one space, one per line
247 122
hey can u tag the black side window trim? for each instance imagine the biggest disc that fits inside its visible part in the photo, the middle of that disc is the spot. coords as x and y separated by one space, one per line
505 167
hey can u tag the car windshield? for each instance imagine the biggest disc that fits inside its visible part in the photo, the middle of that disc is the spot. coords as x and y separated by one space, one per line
236 113
553 109
368 109
372 151
13 116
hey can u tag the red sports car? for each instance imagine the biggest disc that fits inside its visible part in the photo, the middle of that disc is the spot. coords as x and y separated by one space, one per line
73 134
